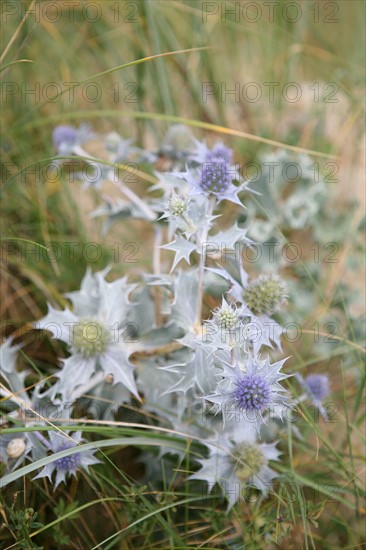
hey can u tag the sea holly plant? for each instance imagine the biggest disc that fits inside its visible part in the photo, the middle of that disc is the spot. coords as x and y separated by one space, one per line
195 344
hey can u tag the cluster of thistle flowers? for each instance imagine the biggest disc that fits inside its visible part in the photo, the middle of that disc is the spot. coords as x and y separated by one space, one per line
211 379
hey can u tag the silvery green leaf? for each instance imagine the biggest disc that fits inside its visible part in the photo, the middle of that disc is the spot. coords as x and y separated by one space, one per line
8 355
200 222
68 382
299 209
160 336
202 373
264 331
86 301
143 313
107 399
182 248
114 299
15 382
117 210
228 238
168 183
153 382
184 309
59 323
262 230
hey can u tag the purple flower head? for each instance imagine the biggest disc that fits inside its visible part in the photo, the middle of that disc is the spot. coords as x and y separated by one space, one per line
216 176
64 134
318 386
66 465
68 139
252 393
219 150
211 172
250 389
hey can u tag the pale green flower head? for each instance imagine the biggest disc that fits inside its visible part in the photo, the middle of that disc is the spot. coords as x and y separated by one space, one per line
265 295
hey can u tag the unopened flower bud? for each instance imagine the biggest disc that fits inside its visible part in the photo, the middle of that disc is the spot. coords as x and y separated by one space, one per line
265 295
226 317
249 460
178 205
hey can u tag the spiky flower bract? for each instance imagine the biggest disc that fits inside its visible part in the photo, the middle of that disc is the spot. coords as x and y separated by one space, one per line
96 333
203 153
249 390
67 465
237 461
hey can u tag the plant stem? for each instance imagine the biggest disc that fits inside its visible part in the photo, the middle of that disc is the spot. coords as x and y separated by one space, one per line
202 263
135 199
157 271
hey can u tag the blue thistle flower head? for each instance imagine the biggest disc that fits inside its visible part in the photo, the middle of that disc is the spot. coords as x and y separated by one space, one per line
211 172
219 150
67 138
250 388
216 175
64 134
318 386
252 393
66 465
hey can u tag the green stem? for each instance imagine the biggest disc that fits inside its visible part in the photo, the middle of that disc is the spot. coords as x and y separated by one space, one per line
202 263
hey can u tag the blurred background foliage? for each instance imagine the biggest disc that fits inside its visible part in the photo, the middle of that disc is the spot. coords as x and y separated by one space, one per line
326 46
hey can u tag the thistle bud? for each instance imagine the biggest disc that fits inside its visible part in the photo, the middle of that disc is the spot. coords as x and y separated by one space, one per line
177 205
248 461
226 317
265 295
